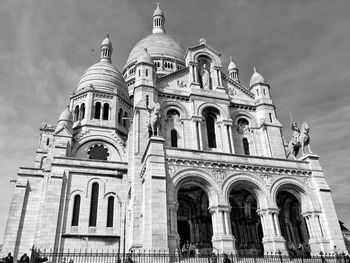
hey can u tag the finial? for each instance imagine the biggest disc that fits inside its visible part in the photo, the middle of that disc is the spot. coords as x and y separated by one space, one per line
254 69
231 59
158 5
202 40
68 106
107 35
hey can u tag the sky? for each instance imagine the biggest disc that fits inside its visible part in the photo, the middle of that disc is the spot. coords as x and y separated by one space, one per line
302 48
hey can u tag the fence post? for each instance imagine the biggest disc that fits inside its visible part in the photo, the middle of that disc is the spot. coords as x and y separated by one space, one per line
280 255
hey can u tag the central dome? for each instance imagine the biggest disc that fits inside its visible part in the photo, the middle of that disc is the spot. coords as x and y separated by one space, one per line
157 45
161 47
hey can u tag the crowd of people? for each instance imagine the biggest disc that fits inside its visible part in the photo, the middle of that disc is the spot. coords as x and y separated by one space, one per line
9 259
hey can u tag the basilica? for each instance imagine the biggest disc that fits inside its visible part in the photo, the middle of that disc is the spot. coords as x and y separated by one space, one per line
171 150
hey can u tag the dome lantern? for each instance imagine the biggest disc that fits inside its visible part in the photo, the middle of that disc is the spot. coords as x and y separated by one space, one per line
233 70
106 49
158 20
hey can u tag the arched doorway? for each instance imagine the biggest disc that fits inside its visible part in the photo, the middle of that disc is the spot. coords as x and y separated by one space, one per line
292 223
194 222
245 222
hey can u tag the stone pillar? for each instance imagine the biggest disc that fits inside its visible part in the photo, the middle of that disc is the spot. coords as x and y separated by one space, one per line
273 241
222 239
327 215
155 219
317 240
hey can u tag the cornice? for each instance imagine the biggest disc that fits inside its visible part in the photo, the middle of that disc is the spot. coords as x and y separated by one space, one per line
237 85
192 163
174 74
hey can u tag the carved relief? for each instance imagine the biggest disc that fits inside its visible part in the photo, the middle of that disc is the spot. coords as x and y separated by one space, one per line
181 83
266 178
219 175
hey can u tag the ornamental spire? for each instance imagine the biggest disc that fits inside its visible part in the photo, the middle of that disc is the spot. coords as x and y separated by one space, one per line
158 20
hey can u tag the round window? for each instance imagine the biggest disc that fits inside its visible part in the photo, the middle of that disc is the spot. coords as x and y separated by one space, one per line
98 152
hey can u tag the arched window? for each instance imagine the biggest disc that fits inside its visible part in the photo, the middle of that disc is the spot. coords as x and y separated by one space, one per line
146 72
105 111
82 111
173 135
93 204
120 114
125 118
110 211
47 141
246 146
76 210
147 101
76 113
211 131
97 110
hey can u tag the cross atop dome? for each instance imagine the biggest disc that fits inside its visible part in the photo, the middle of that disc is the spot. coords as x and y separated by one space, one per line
158 20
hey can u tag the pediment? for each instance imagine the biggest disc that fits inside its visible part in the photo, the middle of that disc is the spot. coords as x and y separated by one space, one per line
63 131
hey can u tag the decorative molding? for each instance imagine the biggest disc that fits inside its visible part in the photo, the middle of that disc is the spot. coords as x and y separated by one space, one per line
267 170
79 97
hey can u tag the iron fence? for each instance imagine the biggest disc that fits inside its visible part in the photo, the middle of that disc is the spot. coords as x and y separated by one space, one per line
149 256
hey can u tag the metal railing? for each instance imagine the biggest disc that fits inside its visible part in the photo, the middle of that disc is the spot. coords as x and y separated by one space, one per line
150 256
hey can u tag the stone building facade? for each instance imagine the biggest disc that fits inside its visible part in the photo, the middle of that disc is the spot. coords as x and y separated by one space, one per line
172 149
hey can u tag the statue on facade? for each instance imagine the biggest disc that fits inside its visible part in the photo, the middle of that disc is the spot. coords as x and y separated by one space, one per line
205 77
154 120
300 139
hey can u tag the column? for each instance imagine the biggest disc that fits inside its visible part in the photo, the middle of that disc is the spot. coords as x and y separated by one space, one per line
222 238
275 216
229 137
309 226
200 139
195 135
228 222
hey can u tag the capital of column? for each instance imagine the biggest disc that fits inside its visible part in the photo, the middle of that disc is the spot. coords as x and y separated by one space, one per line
197 118
227 122
174 206
268 211
219 208
192 63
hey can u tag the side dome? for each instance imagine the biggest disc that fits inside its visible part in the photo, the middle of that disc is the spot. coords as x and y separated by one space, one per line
157 45
256 78
103 75
66 115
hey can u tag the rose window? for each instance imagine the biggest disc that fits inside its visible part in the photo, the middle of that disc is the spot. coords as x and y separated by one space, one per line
98 152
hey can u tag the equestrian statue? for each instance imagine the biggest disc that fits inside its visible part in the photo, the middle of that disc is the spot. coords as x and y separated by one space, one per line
300 139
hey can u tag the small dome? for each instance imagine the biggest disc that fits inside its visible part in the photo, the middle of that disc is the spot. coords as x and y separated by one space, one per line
65 120
103 76
256 78
66 115
158 11
144 57
157 45
232 65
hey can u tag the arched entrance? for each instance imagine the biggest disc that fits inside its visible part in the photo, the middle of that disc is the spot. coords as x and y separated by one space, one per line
245 222
292 223
194 222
